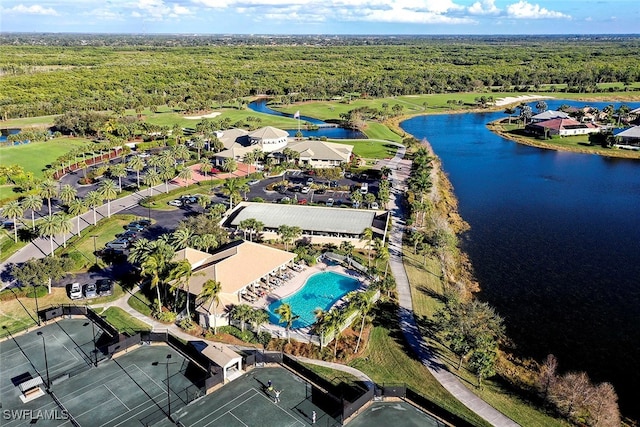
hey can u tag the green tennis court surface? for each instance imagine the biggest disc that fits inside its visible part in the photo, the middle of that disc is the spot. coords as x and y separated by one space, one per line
131 389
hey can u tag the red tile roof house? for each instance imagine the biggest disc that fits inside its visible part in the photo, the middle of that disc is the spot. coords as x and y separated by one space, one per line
561 127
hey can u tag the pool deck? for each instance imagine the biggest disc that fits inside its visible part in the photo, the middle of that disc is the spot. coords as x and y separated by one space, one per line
294 284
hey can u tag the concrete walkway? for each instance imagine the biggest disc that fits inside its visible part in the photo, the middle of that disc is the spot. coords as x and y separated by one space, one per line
41 246
400 171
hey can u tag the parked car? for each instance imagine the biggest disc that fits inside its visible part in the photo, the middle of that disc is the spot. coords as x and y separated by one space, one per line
144 223
253 182
118 244
90 290
320 191
175 202
302 201
305 190
135 227
104 287
374 205
189 199
364 188
75 291
309 181
144 155
285 200
330 202
129 235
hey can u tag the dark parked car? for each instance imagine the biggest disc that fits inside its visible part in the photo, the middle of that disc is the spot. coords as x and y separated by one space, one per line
104 286
90 290
141 222
134 226
320 191
130 234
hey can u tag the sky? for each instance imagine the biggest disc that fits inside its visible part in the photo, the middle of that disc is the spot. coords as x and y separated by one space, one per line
322 16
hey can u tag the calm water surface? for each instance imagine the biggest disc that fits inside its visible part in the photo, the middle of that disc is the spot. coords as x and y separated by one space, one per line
555 243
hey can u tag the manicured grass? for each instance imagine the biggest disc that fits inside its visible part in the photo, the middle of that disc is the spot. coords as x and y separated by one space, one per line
123 321
426 293
170 118
8 246
332 375
387 360
377 130
35 156
140 303
81 249
369 149
40 121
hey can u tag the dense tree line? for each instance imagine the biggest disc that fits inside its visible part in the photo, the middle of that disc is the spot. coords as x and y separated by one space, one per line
39 80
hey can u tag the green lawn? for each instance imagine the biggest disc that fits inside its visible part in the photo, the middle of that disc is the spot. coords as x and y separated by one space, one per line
369 149
140 303
123 321
40 121
169 118
377 130
35 156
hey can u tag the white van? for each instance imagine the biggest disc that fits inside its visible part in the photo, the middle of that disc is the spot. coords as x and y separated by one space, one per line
364 188
118 244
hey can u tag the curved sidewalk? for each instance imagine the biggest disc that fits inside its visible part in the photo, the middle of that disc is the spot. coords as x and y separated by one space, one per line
407 320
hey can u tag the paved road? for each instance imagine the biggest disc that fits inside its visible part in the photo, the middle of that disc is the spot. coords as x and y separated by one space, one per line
407 320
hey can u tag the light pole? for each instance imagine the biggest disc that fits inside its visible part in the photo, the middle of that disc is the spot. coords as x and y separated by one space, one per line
46 361
168 388
95 248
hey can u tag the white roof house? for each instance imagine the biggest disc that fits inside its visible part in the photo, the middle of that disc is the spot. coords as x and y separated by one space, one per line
629 138
549 115
269 139
321 154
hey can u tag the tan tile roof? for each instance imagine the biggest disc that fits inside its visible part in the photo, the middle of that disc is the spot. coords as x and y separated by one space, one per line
268 132
320 150
195 257
237 266
221 355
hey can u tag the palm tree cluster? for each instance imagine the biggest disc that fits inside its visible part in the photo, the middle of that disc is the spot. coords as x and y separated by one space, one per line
420 184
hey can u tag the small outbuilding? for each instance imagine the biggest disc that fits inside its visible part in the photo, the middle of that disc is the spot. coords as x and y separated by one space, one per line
227 359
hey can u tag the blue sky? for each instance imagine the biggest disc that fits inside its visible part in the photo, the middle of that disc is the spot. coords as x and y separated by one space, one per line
323 16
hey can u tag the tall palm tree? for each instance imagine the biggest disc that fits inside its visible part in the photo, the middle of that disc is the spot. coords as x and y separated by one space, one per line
67 193
360 301
205 166
152 268
48 189
229 165
287 317
186 173
119 171
244 187
167 173
137 164
383 255
242 312
49 227
152 178
94 199
204 242
14 210
203 201
181 152
199 144
321 326
76 208
335 319
348 248
34 203
155 162
109 191
180 275
231 188
182 237
64 226
211 292
140 250
259 318
367 236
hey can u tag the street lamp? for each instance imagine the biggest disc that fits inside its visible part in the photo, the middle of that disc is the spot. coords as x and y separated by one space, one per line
168 388
95 248
46 361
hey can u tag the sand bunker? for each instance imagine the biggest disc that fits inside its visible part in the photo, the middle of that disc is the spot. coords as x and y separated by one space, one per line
206 116
517 99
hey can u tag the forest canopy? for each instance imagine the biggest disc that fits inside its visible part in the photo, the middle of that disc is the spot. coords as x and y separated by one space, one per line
51 74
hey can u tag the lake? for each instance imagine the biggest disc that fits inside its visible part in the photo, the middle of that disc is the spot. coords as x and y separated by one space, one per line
554 242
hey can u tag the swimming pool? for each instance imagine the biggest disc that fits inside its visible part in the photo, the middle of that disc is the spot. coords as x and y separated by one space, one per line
321 290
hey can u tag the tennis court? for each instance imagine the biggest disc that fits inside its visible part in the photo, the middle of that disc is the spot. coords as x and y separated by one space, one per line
133 389
390 413
247 401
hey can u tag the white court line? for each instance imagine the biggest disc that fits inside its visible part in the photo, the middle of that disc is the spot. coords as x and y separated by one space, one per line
245 425
161 387
223 406
114 395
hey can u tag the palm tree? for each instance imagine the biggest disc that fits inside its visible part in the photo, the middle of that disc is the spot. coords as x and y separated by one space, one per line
288 234
48 190
93 200
152 268
181 237
356 197
152 178
199 144
140 250
242 312
34 203
67 193
76 208
367 236
229 165
382 255
119 171
186 173
155 162
181 152
14 210
49 227
203 201
137 164
259 318
347 247
64 226
109 192
231 188
211 292
167 173
180 275
321 326
360 301
287 317
205 166
335 319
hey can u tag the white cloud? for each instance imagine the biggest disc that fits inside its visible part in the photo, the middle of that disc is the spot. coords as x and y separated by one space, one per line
525 10
35 9
158 10
484 7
